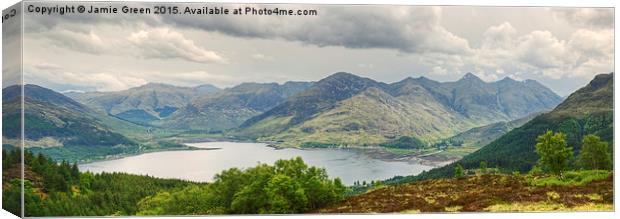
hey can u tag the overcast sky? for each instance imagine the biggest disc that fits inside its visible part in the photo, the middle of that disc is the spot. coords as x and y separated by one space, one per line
563 48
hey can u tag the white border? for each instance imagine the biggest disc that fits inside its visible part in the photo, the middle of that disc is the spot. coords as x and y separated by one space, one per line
562 3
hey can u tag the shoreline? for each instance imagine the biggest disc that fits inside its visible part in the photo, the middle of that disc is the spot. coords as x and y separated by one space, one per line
121 156
374 152
381 153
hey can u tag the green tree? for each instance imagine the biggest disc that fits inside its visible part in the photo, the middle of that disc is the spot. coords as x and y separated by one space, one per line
459 172
289 186
483 166
553 151
594 154
285 195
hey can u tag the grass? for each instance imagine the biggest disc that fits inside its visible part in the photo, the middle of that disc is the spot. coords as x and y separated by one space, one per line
570 178
461 151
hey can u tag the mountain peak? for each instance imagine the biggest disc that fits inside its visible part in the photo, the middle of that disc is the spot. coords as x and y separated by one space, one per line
508 79
155 85
596 96
208 88
470 76
601 80
342 78
342 75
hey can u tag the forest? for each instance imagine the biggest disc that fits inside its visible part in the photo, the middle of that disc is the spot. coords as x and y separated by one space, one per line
60 189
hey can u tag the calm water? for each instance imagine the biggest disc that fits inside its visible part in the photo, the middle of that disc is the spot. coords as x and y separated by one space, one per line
202 165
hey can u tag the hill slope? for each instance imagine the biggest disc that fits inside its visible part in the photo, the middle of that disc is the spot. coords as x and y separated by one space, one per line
345 109
55 118
588 110
62 128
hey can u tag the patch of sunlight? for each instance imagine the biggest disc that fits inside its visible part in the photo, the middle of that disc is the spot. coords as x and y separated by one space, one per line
546 206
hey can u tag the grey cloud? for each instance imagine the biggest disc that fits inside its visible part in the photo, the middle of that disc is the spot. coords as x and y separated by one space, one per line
88 42
587 17
146 42
403 28
585 53
165 43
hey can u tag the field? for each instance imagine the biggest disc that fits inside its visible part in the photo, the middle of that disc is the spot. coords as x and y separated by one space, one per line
581 191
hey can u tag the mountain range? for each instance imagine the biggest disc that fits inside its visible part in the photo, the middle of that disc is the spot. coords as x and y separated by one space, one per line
143 104
341 109
345 109
205 107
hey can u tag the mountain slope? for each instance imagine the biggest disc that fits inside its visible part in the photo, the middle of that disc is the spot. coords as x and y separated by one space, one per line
321 96
589 110
345 109
52 119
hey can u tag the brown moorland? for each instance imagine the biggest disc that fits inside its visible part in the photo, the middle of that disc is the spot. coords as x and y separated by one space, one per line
488 192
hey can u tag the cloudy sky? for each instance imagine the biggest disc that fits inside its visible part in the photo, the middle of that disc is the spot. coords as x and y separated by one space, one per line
562 48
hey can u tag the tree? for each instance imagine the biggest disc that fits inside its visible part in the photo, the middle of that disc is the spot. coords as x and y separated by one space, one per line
553 152
459 172
285 195
483 166
594 154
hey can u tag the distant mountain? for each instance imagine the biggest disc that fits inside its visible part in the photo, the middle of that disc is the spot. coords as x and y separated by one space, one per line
346 109
230 107
52 119
505 99
588 110
143 104
207 88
